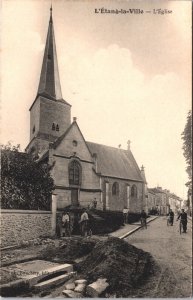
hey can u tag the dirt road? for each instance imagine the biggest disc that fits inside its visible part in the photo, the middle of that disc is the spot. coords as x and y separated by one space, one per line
173 254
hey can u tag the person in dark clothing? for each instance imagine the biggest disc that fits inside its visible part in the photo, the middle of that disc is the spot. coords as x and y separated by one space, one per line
143 218
171 217
125 215
95 203
183 218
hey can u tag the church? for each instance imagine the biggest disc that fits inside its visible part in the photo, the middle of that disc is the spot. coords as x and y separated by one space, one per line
83 171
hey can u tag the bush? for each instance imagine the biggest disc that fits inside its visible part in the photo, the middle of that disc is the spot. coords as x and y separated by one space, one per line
133 217
153 212
25 184
113 220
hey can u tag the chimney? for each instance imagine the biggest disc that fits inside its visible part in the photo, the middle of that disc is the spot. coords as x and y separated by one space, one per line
74 119
128 145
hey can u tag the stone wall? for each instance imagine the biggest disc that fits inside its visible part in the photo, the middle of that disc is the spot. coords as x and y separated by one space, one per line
23 225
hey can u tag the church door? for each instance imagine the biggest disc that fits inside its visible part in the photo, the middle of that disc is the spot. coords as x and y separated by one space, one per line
74 197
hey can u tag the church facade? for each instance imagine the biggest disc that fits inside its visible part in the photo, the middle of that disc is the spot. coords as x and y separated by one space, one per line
83 171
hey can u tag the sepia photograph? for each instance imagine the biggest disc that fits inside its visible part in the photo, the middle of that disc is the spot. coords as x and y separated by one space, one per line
96 149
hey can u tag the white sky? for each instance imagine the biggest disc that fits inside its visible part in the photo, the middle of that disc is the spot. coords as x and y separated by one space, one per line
128 77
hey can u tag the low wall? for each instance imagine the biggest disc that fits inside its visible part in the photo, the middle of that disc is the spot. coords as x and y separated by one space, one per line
23 225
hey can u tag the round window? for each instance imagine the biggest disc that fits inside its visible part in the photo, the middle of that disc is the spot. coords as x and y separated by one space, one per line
75 143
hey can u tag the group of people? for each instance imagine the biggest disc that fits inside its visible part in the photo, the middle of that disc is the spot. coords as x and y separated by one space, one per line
143 218
67 224
182 216
84 223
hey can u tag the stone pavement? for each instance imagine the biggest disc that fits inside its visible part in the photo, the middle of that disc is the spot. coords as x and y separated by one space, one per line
130 228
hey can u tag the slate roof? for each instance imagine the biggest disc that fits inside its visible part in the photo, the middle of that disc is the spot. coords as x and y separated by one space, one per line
156 191
43 156
150 191
115 162
175 196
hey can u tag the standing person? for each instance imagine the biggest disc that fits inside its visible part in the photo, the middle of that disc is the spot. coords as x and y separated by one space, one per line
95 203
66 224
72 222
125 215
84 223
171 217
183 218
144 218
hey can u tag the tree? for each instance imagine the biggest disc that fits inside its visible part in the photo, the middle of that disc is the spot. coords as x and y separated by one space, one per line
187 146
25 184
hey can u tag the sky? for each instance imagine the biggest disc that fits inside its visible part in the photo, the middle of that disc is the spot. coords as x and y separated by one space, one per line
127 76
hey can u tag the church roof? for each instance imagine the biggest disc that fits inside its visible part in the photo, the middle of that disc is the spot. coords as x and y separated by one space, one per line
49 84
115 162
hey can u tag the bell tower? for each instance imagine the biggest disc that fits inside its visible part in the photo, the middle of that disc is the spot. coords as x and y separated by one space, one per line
50 114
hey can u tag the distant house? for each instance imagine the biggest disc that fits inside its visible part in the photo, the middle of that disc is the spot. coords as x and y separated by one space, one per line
83 171
160 198
152 202
175 202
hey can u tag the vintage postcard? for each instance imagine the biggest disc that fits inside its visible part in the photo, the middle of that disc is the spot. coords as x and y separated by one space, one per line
96 191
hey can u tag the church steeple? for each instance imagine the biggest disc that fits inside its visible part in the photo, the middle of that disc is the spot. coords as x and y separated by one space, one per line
49 85
50 114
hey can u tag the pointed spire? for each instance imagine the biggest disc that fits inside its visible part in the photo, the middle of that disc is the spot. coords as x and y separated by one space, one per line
49 85
128 145
51 13
143 173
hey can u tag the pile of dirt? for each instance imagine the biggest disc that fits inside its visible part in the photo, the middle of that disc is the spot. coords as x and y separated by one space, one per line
69 249
123 265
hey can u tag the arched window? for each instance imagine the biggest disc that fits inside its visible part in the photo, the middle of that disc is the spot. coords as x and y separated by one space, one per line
74 173
134 191
115 188
53 127
57 127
